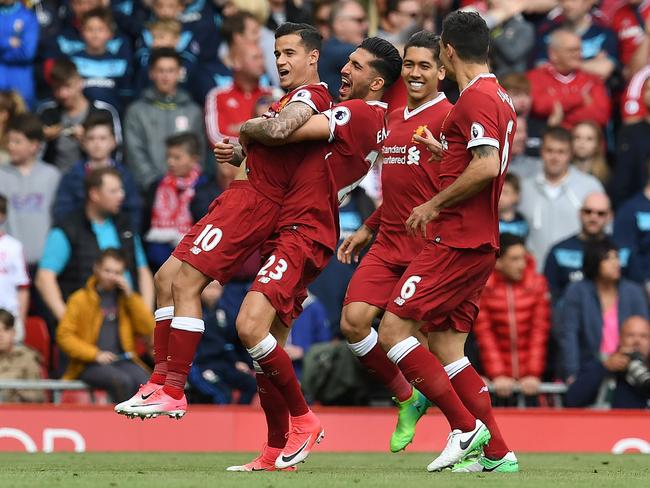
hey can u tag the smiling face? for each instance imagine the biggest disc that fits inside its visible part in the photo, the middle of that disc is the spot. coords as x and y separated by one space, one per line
421 74
293 60
357 76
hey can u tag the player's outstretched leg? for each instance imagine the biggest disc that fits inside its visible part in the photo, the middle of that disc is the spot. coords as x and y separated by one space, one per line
164 315
277 422
356 326
185 334
422 368
449 346
253 326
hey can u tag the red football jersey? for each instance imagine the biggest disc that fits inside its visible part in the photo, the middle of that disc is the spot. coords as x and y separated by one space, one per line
408 178
482 116
326 175
271 168
628 23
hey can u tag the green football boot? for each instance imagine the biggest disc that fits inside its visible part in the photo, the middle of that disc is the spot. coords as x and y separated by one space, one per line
507 464
410 411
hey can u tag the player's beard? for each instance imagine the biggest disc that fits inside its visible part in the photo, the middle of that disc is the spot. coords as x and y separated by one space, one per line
359 92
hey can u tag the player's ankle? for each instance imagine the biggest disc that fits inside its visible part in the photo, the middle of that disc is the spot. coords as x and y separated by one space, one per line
175 393
157 378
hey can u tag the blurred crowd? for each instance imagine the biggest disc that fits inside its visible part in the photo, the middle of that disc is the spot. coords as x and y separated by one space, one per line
109 109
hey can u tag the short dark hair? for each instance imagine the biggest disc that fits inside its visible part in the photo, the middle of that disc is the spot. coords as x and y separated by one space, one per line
557 134
595 252
187 140
469 35
513 180
95 178
235 24
63 69
102 13
100 118
112 253
7 318
425 39
3 204
27 124
387 62
163 52
309 36
506 241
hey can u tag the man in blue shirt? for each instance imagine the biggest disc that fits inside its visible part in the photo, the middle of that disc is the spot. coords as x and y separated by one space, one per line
19 32
564 260
74 244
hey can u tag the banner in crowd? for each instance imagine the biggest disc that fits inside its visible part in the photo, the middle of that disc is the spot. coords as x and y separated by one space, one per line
35 428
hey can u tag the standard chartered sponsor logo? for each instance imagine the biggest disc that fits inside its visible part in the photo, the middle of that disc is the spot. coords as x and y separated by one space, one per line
401 155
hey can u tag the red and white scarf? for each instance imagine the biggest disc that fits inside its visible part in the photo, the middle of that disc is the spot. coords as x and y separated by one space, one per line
170 216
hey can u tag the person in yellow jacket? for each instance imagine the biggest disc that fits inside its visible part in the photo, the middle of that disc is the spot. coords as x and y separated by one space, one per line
99 328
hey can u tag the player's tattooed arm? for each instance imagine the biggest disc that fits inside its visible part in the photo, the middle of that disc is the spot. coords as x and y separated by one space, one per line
272 131
483 168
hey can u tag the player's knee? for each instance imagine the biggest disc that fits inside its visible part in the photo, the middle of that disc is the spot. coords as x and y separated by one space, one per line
249 327
354 326
184 286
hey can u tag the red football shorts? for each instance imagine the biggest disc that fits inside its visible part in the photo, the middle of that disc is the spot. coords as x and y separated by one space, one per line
237 223
292 262
373 281
442 287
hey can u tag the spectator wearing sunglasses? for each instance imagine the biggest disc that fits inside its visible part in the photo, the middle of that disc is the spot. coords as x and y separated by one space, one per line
399 20
349 27
564 262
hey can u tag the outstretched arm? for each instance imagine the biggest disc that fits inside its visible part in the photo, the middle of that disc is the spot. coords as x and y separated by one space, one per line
277 129
482 169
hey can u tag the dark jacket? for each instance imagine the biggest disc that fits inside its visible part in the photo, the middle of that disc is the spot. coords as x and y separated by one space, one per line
582 320
631 154
84 250
583 392
71 195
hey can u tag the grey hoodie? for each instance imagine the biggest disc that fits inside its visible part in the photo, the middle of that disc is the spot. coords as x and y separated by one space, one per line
149 121
554 219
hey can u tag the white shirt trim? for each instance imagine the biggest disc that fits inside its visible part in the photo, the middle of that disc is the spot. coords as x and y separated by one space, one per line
483 141
412 113
378 103
478 77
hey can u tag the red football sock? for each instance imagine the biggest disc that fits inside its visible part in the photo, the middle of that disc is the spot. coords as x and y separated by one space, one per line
378 364
425 372
160 343
182 347
279 369
474 395
275 410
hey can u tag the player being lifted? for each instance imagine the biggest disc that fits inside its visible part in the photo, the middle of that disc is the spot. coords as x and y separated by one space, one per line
439 292
408 178
237 224
306 240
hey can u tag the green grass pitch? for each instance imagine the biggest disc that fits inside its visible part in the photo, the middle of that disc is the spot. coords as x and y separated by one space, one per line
322 470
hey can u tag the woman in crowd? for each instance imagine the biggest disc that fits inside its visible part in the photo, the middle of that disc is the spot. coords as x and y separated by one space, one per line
589 150
595 308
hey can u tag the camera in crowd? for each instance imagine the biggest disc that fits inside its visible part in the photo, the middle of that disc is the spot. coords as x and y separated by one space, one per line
638 373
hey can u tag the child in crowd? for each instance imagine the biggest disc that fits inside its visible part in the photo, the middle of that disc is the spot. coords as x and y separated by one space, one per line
98 142
106 72
14 281
510 220
170 212
589 149
63 117
17 363
29 185
165 33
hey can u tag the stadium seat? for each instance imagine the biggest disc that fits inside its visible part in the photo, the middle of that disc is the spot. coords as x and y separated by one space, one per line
37 337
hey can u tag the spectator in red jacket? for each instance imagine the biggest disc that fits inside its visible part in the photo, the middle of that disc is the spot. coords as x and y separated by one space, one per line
227 108
562 93
631 22
513 326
